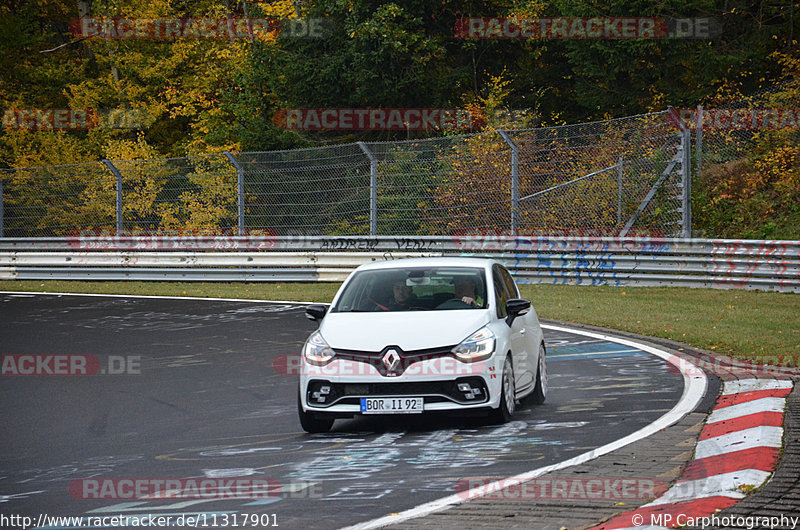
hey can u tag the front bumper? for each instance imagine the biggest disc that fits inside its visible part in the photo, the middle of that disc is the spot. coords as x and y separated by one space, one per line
444 385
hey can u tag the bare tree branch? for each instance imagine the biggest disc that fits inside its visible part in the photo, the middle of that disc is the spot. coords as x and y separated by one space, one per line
76 41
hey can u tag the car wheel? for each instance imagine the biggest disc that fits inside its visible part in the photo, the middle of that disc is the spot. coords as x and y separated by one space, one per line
539 393
311 422
508 398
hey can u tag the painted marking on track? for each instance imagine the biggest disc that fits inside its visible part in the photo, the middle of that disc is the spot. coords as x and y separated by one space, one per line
613 386
599 350
579 347
593 355
260 441
559 425
234 472
14 496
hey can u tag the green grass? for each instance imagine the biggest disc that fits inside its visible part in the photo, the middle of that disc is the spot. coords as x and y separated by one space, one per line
748 324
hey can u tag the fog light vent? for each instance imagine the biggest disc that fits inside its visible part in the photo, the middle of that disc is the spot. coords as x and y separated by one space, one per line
470 390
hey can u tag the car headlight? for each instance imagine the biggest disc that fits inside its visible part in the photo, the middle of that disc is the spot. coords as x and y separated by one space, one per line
316 350
477 346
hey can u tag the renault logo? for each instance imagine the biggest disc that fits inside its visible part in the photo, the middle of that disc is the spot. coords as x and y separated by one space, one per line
390 360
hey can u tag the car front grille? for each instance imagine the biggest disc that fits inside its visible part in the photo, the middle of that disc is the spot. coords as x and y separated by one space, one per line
406 358
431 391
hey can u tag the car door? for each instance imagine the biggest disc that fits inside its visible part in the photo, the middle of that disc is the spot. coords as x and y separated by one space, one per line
517 342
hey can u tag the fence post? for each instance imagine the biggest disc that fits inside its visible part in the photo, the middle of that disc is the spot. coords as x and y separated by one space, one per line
686 173
2 213
514 180
373 189
118 176
698 145
239 191
619 193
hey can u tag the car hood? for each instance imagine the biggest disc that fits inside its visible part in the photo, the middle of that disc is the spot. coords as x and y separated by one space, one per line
409 330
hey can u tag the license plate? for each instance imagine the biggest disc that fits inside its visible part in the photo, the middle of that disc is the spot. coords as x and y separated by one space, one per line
399 405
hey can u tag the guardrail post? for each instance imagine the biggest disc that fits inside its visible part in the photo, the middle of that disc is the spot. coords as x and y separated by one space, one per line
118 176
239 191
373 189
686 173
514 180
2 213
619 193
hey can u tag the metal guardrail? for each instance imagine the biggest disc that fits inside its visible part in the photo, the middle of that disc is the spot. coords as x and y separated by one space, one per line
747 264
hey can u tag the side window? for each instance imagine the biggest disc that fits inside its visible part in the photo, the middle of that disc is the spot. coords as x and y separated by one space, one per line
500 291
510 285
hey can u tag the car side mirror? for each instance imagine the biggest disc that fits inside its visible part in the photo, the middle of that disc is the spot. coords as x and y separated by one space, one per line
516 307
315 312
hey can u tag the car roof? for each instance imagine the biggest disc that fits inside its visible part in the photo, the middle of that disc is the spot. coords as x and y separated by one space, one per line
429 262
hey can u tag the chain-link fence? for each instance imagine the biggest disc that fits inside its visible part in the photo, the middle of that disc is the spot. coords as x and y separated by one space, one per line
611 177
730 130
747 168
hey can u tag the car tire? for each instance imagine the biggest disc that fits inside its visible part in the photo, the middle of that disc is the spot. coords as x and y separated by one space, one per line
539 393
310 421
505 411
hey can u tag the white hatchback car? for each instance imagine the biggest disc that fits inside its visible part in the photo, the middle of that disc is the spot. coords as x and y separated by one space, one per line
422 335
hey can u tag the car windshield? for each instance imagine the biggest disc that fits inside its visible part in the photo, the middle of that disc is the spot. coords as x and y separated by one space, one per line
414 289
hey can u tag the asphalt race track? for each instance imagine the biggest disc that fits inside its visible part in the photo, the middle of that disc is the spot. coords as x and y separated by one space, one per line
195 388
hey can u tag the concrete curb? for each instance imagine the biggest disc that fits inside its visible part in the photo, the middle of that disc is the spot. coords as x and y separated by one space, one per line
737 451
777 504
